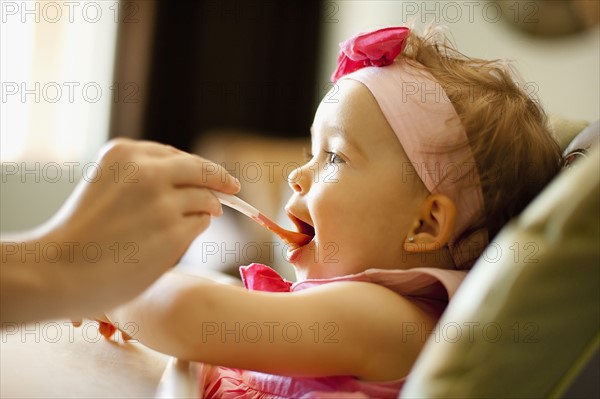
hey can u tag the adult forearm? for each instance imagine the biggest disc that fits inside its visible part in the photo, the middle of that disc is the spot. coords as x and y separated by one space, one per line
29 290
42 278
115 235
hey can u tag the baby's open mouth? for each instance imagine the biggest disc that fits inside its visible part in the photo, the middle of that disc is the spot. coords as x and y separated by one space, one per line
306 229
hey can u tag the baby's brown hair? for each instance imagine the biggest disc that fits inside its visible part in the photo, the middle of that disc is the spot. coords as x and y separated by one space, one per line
508 132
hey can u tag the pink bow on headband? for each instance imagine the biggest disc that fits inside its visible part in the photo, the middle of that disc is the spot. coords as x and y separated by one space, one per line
377 48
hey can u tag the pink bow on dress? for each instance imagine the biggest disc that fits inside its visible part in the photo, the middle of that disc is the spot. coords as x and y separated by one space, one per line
258 277
377 48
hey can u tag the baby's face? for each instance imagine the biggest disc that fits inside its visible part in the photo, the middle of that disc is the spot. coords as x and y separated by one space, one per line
358 191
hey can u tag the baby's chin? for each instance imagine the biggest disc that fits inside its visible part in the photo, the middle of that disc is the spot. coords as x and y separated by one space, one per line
306 260
302 256
316 260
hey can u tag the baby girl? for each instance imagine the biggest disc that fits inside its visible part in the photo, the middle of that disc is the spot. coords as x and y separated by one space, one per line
427 154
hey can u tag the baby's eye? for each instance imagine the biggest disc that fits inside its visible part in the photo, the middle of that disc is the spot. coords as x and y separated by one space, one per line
332 157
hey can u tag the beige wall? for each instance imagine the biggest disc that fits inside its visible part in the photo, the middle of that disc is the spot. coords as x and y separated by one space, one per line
31 193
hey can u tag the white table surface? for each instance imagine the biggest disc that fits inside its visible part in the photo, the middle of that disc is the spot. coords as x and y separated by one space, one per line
53 359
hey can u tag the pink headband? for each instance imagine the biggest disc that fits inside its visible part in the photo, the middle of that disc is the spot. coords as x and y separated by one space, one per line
425 121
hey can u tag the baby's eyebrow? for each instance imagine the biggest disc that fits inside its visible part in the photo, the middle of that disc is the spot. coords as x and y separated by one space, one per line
337 131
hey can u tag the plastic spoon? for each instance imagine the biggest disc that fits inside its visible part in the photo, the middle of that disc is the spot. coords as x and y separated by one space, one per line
291 237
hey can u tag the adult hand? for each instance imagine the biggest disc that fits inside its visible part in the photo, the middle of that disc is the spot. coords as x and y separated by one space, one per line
124 225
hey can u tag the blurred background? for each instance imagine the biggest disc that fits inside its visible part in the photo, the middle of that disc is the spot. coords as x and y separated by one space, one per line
236 82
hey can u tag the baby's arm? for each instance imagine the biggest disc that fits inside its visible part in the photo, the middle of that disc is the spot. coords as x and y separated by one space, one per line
346 328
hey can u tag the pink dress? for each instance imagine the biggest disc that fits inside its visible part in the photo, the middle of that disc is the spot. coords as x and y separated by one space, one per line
430 288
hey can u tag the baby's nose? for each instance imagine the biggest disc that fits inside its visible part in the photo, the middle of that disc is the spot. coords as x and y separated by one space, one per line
294 180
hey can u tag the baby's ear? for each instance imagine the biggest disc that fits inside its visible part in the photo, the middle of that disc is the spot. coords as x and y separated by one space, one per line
433 226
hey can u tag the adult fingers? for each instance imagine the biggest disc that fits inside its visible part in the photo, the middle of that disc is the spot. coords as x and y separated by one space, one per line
191 170
199 200
124 149
158 149
191 227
